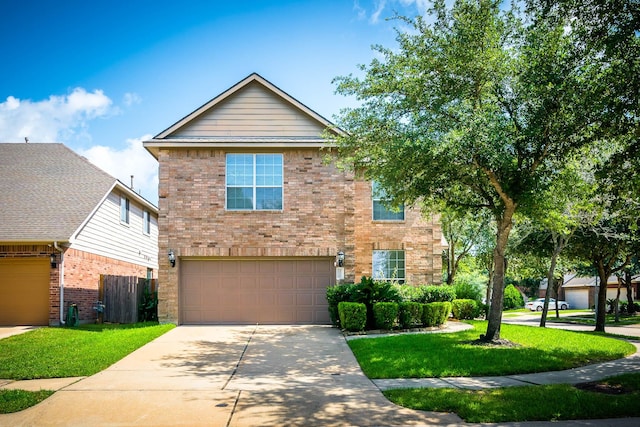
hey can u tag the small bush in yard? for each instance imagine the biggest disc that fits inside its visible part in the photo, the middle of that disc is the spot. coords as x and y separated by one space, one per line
353 316
438 293
464 309
385 314
410 314
335 295
512 298
436 313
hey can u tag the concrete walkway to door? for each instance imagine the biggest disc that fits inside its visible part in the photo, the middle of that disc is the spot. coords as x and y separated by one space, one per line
229 376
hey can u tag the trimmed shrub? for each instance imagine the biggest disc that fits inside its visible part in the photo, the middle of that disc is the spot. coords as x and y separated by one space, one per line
353 316
410 314
465 309
438 293
335 295
385 314
435 313
369 292
512 298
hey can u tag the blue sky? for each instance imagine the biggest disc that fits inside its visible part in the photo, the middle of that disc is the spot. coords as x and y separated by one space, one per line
101 76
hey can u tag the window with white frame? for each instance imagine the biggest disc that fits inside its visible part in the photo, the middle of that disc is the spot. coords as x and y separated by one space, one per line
381 211
146 222
124 210
389 266
254 182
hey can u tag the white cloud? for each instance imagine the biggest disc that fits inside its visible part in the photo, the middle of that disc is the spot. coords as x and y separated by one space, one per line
132 160
380 4
131 98
54 119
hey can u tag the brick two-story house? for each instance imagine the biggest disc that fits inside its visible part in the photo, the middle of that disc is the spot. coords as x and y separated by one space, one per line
255 215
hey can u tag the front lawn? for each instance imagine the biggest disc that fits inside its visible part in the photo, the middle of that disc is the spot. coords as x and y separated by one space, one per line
531 403
18 400
72 352
449 355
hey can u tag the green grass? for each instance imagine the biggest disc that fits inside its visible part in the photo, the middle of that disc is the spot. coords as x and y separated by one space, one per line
531 403
18 400
624 320
448 355
72 352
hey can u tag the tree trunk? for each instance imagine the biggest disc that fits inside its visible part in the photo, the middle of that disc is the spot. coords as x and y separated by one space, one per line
451 264
631 308
601 304
552 268
497 296
617 303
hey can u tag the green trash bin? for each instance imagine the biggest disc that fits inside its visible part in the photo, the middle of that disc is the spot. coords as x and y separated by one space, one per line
72 315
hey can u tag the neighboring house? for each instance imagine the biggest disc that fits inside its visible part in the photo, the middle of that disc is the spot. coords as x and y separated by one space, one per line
64 223
255 213
581 292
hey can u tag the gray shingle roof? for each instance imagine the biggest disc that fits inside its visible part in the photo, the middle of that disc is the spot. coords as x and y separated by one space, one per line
46 192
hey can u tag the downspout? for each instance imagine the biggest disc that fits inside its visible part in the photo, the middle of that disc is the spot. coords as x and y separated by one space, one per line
61 280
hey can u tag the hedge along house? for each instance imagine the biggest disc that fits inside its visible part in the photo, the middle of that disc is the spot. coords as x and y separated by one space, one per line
259 224
64 223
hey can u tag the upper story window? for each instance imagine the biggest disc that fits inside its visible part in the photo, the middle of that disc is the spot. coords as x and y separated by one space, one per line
124 210
389 266
146 222
254 182
380 210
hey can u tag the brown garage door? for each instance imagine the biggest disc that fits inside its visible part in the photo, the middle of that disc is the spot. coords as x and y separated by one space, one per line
24 291
248 291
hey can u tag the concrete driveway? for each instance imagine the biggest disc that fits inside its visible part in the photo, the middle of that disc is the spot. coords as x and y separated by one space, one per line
229 376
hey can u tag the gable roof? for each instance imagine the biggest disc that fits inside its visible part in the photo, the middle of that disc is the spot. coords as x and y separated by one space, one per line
47 192
252 113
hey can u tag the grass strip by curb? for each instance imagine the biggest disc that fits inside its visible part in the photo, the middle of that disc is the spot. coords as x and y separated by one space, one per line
18 400
517 404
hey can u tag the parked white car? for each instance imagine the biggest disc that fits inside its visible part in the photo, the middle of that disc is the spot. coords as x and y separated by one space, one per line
538 304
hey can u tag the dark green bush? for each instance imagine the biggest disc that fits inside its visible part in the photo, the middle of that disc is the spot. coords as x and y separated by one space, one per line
409 314
438 293
465 309
353 316
435 313
369 292
467 290
385 314
512 298
335 295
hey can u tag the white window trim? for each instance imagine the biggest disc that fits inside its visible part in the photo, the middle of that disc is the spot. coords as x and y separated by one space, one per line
126 221
375 275
379 200
254 186
146 221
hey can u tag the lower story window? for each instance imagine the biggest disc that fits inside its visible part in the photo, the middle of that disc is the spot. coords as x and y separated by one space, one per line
389 266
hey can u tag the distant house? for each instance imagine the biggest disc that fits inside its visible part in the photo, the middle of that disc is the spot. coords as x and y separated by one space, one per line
261 221
64 223
582 291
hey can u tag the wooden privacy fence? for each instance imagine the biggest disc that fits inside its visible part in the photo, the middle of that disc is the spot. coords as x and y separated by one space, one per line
121 297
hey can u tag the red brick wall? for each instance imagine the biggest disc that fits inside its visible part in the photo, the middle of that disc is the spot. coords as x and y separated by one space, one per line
82 272
324 211
417 236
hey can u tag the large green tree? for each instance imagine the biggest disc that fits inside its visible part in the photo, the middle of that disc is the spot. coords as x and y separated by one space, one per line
476 108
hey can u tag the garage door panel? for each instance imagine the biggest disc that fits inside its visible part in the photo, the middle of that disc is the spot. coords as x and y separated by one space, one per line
255 290
24 291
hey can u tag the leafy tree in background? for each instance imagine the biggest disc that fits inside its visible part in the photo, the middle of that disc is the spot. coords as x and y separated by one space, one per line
462 231
478 108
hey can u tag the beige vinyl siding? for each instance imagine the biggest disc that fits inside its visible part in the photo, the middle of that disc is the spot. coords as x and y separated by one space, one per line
252 112
104 234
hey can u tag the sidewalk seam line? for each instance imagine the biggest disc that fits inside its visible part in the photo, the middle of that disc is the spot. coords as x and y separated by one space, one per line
244 350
